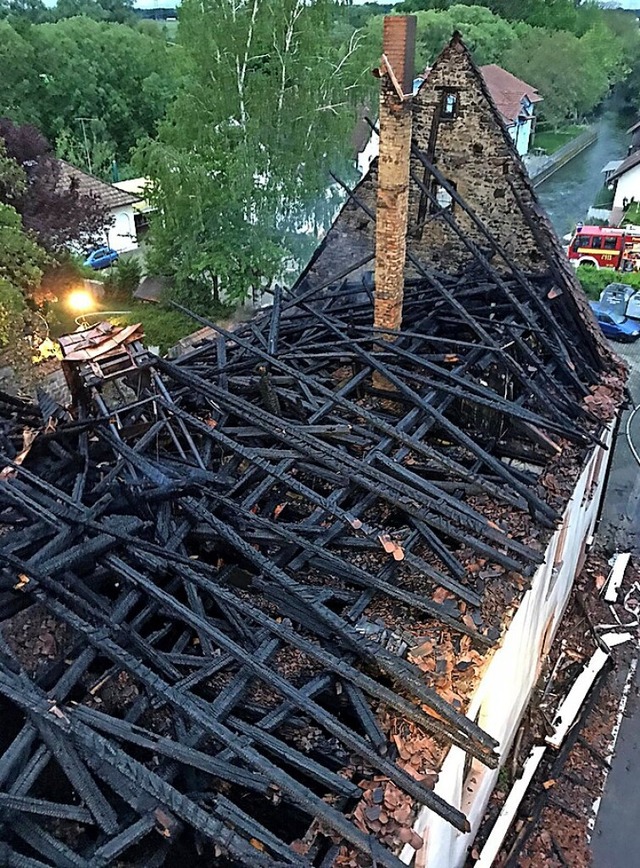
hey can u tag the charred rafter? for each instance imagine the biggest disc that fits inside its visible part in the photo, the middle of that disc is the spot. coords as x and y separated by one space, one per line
219 539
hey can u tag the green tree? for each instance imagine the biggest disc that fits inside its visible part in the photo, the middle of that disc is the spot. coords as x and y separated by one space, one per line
120 79
551 14
21 259
28 11
73 8
266 107
13 311
565 70
16 76
120 11
21 267
606 51
487 36
95 154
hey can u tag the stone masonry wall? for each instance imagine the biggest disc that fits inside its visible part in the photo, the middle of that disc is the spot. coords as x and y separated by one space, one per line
473 150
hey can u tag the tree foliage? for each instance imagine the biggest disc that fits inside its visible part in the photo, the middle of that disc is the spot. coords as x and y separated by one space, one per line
266 107
51 207
576 17
573 53
573 74
35 11
118 80
21 266
21 259
486 35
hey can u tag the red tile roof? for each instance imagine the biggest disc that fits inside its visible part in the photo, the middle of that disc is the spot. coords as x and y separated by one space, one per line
89 184
508 91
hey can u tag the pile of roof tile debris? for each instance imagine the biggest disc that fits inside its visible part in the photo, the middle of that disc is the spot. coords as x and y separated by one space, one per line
553 825
248 593
262 588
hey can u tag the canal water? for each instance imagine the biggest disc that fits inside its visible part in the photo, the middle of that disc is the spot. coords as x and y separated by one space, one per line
569 193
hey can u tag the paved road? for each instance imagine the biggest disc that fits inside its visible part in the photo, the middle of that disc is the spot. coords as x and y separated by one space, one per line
620 521
616 837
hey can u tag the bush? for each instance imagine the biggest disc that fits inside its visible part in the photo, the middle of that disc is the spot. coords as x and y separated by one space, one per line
122 280
163 327
594 280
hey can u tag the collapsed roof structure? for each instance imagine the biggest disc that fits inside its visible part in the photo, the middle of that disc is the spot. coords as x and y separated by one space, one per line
248 594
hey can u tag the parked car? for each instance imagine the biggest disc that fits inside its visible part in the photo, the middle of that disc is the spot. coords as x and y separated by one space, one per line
615 298
102 257
633 307
614 325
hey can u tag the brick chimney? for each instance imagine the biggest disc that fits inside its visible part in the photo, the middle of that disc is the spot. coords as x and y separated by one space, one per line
399 42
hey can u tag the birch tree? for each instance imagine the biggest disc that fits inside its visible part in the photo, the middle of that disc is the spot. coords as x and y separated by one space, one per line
266 110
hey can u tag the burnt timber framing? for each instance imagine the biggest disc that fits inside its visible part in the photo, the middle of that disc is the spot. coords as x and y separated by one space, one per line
244 543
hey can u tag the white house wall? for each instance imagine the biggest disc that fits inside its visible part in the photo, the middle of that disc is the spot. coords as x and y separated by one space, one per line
504 691
121 235
627 187
520 132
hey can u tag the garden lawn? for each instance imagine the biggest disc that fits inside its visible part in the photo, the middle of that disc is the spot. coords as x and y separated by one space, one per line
162 326
553 141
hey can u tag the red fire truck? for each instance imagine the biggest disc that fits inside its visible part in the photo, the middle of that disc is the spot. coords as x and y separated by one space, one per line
603 247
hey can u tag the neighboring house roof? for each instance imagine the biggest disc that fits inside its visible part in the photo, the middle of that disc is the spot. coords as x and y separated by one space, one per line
508 91
137 187
611 166
630 163
634 128
152 288
110 195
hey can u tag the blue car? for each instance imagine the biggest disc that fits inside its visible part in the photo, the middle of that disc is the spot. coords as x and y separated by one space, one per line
614 325
103 257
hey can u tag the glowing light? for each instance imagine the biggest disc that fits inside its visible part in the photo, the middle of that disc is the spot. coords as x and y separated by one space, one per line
81 301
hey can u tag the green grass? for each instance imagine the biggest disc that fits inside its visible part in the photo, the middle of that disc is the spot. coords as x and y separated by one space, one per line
163 327
632 214
604 198
594 280
553 141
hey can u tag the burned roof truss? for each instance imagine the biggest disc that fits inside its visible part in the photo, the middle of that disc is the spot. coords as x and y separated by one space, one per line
238 548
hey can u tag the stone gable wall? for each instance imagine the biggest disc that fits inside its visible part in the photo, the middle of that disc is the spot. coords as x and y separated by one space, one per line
475 152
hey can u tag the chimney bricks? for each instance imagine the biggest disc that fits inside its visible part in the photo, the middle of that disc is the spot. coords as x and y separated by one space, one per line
393 170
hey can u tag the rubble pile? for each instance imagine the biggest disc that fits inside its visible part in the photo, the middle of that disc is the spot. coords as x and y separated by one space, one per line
246 594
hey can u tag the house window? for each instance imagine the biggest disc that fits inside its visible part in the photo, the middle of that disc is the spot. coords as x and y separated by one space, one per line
444 199
449 107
